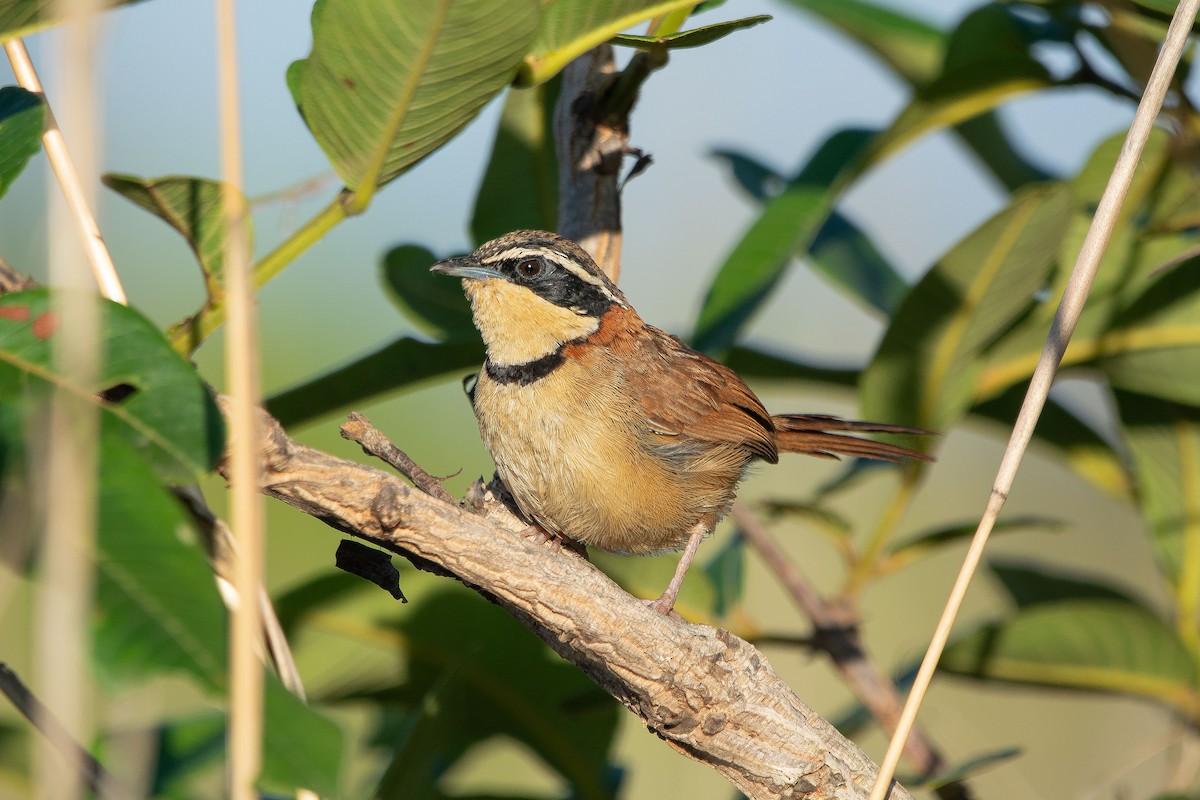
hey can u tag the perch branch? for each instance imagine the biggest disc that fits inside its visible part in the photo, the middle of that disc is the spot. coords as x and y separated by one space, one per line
707 693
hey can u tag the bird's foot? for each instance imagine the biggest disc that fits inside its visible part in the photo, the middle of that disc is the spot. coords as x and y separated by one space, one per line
664 605
556 540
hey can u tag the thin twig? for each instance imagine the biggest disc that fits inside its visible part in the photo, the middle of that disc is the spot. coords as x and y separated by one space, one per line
373 442
68 179
241 357
95 776
1069 311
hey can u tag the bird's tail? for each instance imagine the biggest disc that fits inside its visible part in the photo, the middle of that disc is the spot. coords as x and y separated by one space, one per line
812 434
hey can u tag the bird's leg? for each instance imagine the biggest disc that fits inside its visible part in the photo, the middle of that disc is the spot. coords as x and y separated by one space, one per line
665 604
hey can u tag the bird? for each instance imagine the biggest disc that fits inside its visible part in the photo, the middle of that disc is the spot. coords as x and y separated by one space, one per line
607 431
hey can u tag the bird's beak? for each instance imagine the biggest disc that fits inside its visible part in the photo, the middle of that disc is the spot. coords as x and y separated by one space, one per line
464 267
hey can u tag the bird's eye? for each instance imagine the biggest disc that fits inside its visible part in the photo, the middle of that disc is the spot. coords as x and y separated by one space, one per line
529 268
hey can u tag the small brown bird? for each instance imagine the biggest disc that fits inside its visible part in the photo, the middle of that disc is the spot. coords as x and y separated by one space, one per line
606 430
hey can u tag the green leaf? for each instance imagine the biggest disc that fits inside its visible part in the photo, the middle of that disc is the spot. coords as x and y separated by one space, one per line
473 672
914 50
520 186
696 37
22 120
1086 451
1031 584
925 368
788 224
1153 346
755 178
961 95
302 748
388 83
911 47
436 304
569 28
1145 336
399 365
956 773
841 253
165 412
1164 442
158 607
1095 645
922 544
23 17
186 748
845 256
193 207
726 570
752 363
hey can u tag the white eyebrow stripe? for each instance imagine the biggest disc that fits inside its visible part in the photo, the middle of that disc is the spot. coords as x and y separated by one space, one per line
567 263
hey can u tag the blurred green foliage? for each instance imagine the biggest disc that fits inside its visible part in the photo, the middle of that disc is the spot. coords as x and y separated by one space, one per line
385 85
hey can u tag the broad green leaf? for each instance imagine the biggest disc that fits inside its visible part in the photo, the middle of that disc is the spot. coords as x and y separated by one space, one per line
156 604
1162 6
845 256
186 749
696 37
164 410
158 607
956 773
961 95
726 571
921 545
914 50
788 224
841 253
193 207
1164 442
1086 452
569 28
911 47
23 17
302 748
1153 346
996 30
22 120
472 673
1030 584
1096 645
388 83
1119 269
403 363
753 363
436 303
520 186
926 366
755 178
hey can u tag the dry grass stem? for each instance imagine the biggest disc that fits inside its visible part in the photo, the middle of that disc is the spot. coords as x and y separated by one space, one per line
1069 310
244 747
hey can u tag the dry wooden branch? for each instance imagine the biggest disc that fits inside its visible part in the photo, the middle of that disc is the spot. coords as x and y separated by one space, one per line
707 693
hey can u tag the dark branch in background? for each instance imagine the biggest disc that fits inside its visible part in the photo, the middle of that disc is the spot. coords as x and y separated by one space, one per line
707 693
98 780
836 632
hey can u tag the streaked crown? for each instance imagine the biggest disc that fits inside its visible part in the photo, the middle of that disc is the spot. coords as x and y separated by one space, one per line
552 267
